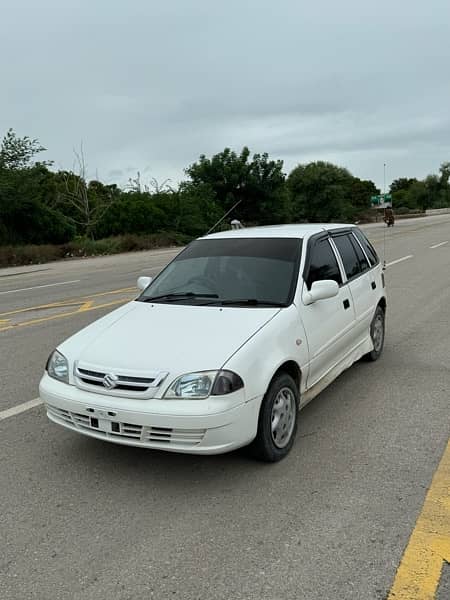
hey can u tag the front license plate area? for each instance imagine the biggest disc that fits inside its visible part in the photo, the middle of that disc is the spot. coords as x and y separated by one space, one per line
102 424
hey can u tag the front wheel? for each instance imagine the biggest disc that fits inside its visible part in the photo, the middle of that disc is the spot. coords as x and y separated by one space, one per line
277 423
377 332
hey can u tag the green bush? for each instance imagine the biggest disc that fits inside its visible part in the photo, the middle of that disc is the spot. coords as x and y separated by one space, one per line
89 247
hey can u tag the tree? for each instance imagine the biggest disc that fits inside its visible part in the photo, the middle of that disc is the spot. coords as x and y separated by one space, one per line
402 196
267 192
444 183
444 170
361 191
403 183
196 210
132 212
39 206
405 199
17 152
258 183
321 192
433 187
135 185
432 192
26 212
85 203
191 210
418 196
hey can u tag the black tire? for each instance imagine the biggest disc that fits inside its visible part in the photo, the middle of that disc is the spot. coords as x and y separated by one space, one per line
377 333
265 447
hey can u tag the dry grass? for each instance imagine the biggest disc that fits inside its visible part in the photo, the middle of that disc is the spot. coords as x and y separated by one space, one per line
11 256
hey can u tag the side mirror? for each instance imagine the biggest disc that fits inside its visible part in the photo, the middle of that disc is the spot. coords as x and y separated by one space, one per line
321 290
144 282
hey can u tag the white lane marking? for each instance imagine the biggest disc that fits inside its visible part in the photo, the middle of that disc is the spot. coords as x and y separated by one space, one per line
441 244
394 262
20 408
36 287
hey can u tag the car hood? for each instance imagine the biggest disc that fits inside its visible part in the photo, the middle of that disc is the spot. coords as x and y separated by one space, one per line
165 337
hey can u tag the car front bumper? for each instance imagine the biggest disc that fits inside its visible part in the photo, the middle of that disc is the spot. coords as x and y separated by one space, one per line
194 427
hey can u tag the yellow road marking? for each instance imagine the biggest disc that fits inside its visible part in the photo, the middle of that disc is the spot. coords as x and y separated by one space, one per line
70 302
86 306
119 291
42 307
61 315
428 548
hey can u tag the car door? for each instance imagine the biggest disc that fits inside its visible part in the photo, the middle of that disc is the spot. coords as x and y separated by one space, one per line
329 324
360 281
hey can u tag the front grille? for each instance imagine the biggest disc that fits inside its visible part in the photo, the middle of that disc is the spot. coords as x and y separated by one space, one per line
142 435
124 382
137 386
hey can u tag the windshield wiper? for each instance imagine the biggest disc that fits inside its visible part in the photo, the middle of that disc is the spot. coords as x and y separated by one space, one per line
176 296
244 302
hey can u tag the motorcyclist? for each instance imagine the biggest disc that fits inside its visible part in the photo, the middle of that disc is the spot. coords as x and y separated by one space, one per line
389 215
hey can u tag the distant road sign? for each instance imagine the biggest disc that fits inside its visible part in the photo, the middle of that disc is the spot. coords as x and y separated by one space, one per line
381 200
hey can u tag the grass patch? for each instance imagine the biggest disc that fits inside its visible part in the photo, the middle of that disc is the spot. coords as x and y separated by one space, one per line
12 256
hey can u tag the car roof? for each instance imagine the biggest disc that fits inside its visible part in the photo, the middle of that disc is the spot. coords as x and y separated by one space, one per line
278 231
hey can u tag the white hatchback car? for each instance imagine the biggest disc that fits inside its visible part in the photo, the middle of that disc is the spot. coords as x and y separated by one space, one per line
226 344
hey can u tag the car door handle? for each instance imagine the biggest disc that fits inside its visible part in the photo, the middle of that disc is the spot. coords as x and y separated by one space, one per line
374 285
346 303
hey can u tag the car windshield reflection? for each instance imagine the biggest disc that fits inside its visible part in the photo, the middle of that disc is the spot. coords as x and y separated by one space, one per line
247 272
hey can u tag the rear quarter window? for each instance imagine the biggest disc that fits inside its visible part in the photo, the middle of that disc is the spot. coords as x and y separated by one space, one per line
348 254
363 262
367 246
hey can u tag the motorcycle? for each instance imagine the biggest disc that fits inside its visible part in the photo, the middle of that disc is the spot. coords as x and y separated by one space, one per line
389 220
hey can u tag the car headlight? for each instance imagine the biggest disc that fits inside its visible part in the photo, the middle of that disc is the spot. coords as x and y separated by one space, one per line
204 384
58 367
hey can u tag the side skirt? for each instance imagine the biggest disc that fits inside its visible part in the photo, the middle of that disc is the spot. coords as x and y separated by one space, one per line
364 348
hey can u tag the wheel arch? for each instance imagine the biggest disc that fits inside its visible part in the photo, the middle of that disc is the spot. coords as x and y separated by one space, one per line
290 367
383 304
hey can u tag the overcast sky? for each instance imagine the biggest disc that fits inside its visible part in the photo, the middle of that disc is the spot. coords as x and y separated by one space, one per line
150 85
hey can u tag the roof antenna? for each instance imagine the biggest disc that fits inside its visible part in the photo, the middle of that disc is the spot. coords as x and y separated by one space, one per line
225 215
384 201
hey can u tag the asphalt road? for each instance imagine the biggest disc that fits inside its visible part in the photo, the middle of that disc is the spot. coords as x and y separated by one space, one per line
82 519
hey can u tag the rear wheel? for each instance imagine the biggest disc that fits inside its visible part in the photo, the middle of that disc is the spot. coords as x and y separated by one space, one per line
277 423
377 332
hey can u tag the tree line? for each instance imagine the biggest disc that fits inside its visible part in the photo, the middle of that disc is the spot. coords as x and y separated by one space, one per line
41 205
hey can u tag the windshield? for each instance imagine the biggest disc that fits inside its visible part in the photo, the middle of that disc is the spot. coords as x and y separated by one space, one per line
240 271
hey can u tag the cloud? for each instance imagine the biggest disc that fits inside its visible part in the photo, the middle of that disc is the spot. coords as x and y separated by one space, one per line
155 84
115 173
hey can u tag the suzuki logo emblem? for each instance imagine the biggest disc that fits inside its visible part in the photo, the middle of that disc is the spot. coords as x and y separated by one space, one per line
110 381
